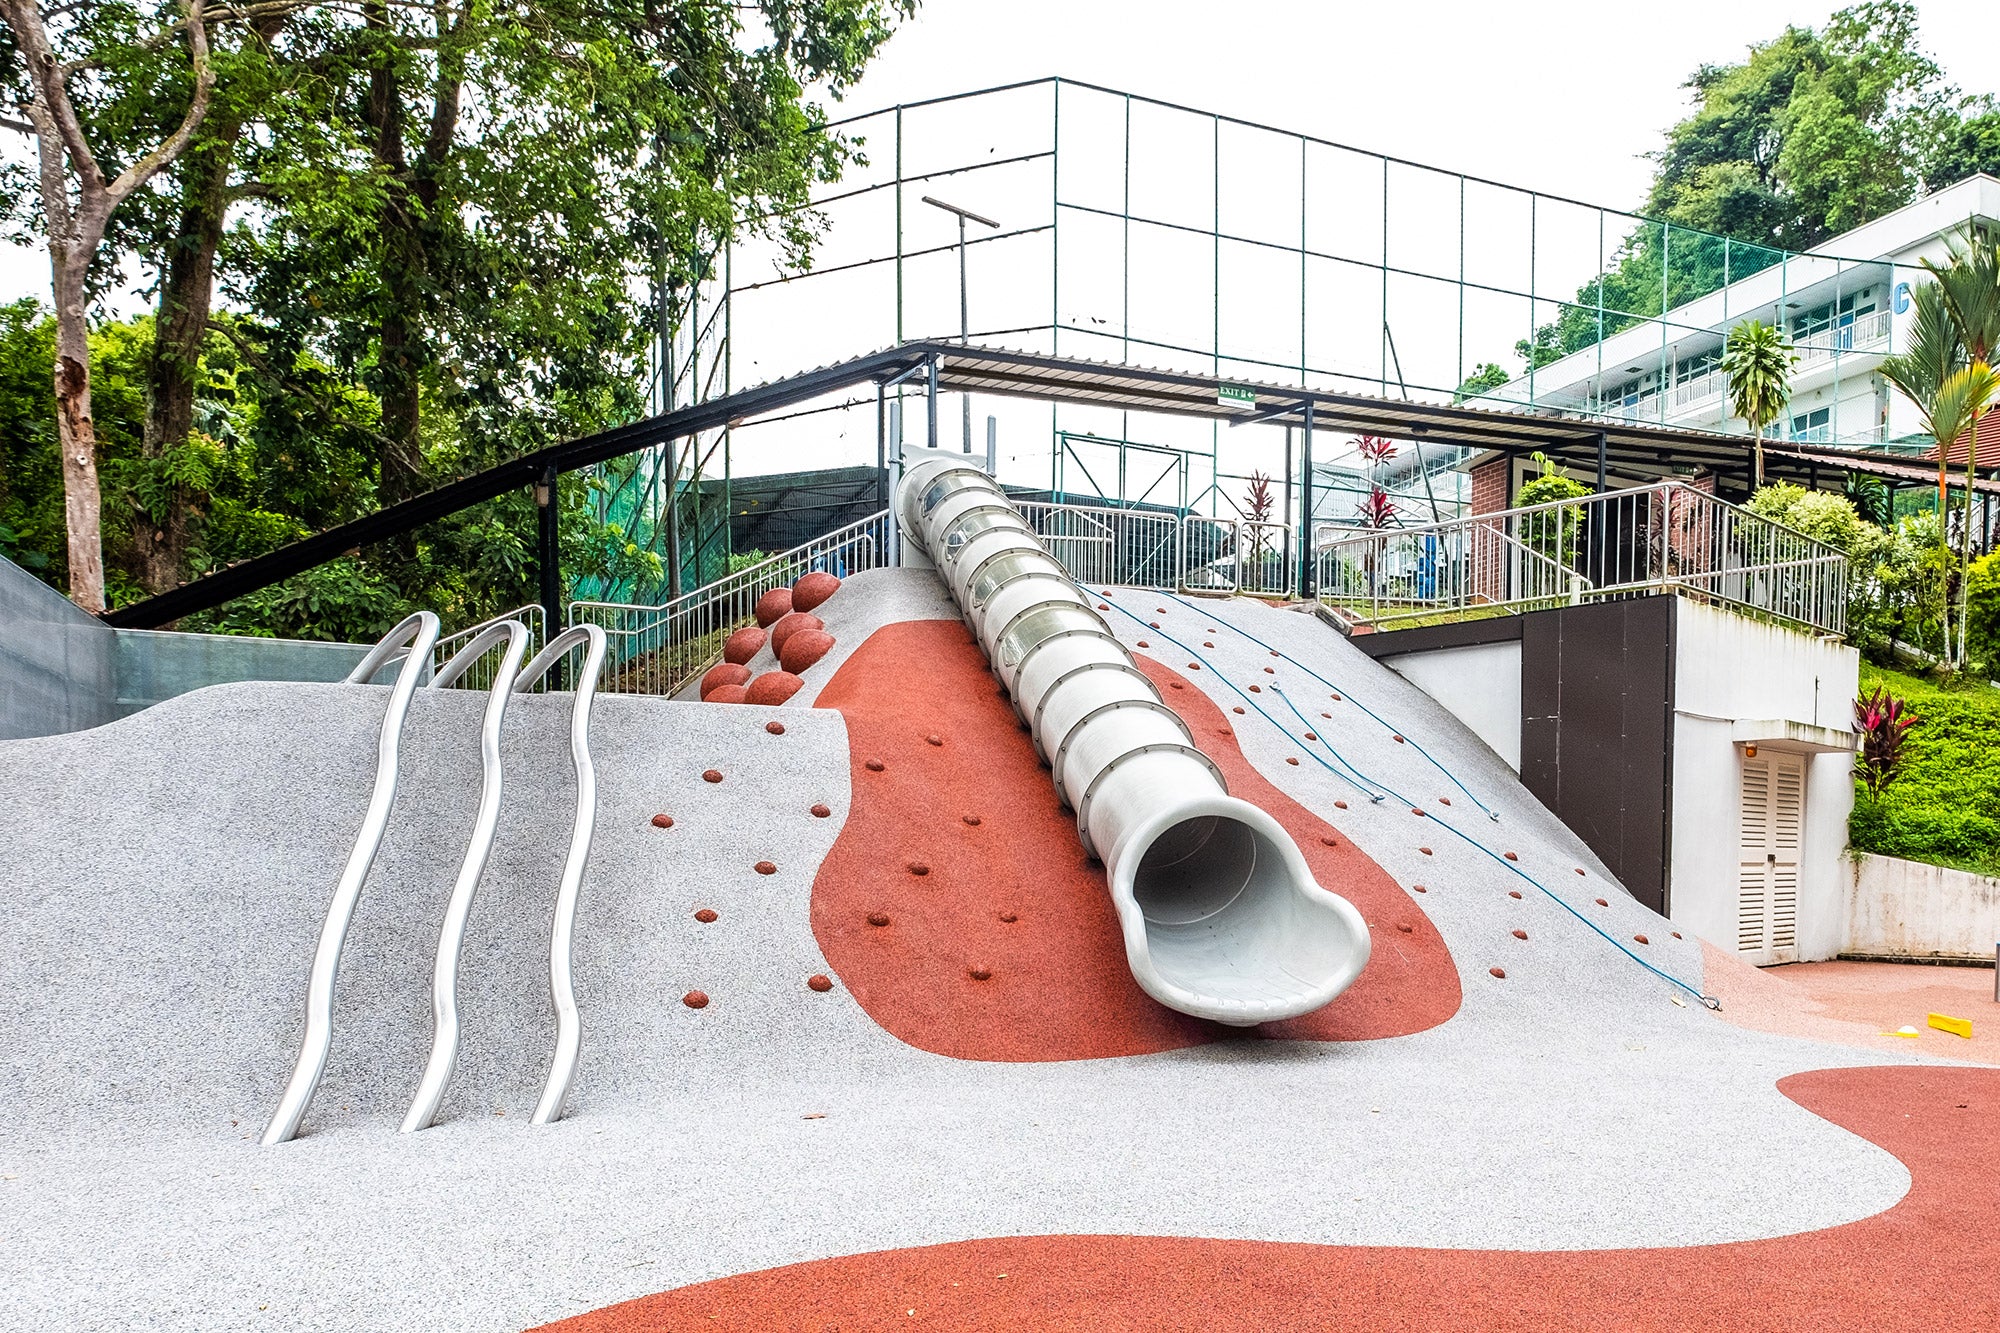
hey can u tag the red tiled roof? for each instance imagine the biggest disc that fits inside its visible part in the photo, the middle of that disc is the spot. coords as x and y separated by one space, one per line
1987 455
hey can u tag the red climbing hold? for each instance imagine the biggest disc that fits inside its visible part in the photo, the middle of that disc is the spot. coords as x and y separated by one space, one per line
1510 856
821 812
1177 684
1500 972
1579 870
1311 737
1102 607
1329 841
1334 697
1194 666
934 739
771 689
878 918
1642 939
819 981
1600 902
805 648
1420 888
919 868
1340 805
1270 671
979 973
1444 800
1676 934
1400 741
775 728
695 999
1417 811
1406 928
743 645
1427 852
663 821
1520 934
1206 644
1293 762
1222 731
1326 715
782 632
1144 644
971 819
1009 917
1276 653
728 694
705 915
773 606
725 673
765 868
1237 709
813 589
712 775
874 765
1513 893
1256 689
1154 623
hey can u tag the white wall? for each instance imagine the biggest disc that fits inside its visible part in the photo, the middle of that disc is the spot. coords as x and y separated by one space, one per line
1905 909
1480 686
1729 668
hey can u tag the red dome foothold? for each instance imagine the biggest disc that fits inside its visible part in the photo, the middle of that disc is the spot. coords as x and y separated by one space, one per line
782 632
1642 939
813 590
1009 917
727 673
874 765
1330 841
1511 856
919 868
712 775
695 999
1340 805
1237 709
1427 852
1520 934
1144 644
804 648
766 868
934 739
979 973
1311 737
663 821
819 981
1270 671
705 915
1178 684
1600 902
1500 972
973 820
775 728
1256 689
743 645
773 606
1513 893
728 694
1293 762
1676 934
772 688
1206 644
821 812
1406 928
1444 800
878 918
1420 888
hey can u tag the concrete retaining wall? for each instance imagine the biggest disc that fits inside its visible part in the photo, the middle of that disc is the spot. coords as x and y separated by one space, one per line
62 670
1906 909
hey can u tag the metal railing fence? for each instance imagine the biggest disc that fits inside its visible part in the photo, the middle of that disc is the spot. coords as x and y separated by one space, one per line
1660 538
479 676
662 649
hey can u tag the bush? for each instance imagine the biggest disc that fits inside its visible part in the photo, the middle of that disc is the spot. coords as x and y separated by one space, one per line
1556 532
1944 807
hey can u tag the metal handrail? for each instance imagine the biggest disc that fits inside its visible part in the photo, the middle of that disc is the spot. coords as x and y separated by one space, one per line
410 641
562 933
512 637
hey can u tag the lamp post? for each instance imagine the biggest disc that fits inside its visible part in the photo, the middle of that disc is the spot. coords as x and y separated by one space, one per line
964 321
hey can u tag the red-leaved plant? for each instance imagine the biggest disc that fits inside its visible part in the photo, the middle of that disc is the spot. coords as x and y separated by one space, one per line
1376 509
1375 449
1881 719
1260 499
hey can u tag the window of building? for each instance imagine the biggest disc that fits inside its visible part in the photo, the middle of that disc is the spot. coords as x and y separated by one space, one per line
1815 426
1838 314
1697 365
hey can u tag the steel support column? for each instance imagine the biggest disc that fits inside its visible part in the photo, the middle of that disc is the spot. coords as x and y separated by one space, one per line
548 557
1306 506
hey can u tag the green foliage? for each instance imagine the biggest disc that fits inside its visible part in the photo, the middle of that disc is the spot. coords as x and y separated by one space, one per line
1555 533
1487 376
1982 614
1944 807
1758 363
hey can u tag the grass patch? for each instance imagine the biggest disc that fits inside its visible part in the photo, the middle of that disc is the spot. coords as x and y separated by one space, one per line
1944 806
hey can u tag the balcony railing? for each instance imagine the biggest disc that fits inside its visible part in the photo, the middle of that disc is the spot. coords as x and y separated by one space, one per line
1866 333
1668 537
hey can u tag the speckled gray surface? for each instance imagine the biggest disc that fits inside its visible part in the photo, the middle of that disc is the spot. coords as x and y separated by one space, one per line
165 877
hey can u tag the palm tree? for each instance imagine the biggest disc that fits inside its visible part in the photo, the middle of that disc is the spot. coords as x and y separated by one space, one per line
1970 286
1758 362
1935 353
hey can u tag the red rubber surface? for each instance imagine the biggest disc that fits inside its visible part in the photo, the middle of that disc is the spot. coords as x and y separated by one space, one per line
1927 1263
1058 985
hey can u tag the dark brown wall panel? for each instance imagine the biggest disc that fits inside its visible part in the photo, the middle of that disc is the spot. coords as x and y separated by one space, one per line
1597 730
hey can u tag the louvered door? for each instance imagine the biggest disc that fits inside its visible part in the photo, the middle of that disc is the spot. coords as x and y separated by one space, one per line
1767 883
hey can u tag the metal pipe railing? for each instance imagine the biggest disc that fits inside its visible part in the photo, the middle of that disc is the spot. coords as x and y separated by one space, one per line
410 643
562 932
511 637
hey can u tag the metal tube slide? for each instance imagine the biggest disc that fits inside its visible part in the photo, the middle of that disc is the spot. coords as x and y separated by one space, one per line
1221 915
512 637
562 988
410 642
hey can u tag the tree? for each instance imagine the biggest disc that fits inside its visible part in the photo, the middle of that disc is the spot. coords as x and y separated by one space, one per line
1488 375
1758 364
78 199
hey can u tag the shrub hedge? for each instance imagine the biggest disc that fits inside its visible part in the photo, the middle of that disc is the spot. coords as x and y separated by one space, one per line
1944 806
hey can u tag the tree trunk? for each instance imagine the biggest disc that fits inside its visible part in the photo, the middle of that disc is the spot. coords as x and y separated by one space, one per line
77 432
180 331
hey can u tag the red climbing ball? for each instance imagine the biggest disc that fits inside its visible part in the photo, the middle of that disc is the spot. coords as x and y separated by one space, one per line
819 981
1102 607
1270 671
1194 666
712 775
663 821
1500 972
695 999
772 688
1417 811
821 812
1420 888
1444 800
805 648
1406 928
1400 741
1676 934
773 606
727 673
1237 709
1334 697
1579 870
1144 644
1326 715
1311 737
1177 684
1642 939
728 694
813 590
765 868
934 739
782 632
1256 689
1206 644
705 915
1427 852
743 645
1340 805
775 728
1510 856
878 918
1520 934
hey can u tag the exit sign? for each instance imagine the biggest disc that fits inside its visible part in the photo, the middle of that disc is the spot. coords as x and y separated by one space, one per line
1235 395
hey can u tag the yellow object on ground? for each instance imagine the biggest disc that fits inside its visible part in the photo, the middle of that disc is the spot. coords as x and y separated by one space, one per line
1959 1027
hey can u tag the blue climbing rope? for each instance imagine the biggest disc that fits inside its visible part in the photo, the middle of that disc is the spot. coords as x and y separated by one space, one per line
1371 787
